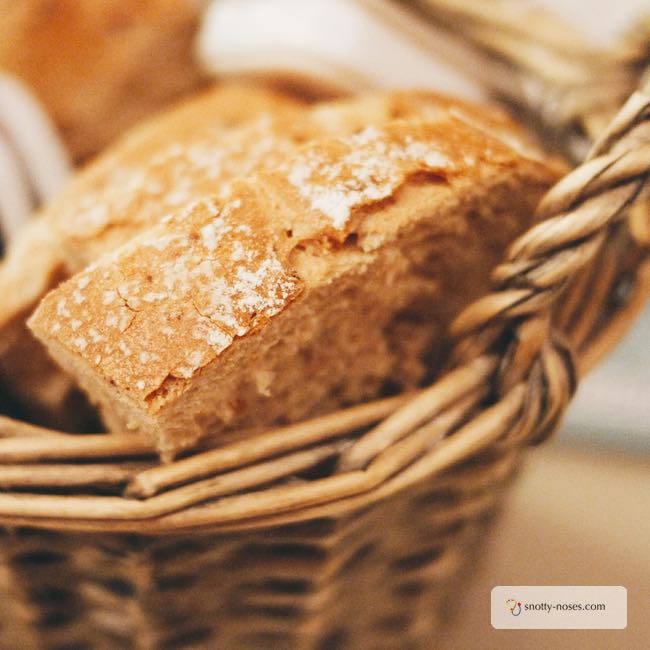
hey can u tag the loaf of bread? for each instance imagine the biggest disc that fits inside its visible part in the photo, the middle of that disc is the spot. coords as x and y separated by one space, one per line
99 66
321 280
127 189
164 165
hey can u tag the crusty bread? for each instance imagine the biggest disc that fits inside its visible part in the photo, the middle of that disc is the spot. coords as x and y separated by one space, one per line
314 283
188 153
100 66
50 248
164 165
109 202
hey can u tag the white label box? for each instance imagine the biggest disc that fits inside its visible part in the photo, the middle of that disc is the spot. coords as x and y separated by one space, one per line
559 607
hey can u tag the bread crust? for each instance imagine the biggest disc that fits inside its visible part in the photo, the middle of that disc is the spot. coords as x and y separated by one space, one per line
193 151
197 150
67 235
154 324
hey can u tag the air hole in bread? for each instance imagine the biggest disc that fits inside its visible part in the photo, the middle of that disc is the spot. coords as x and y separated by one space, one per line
351 241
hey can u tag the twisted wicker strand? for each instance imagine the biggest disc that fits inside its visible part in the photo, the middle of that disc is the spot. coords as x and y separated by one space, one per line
579 212
429 403
619 322
272 443
108 511
612 184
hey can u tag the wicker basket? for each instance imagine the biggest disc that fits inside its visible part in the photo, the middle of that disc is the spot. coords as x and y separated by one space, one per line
351 530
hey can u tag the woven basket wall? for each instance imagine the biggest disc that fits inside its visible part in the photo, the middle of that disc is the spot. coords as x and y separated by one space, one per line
353 530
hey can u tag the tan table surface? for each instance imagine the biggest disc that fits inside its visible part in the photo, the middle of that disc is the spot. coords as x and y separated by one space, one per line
574 517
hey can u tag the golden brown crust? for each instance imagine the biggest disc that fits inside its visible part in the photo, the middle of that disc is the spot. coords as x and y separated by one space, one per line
166 164
133 185
188 153
168 304
100 66
69 235
197 149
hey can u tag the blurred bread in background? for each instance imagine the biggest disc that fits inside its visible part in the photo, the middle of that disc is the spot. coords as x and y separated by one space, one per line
99 66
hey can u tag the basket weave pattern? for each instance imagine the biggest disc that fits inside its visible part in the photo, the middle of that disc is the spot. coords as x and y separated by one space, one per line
375 574
348 530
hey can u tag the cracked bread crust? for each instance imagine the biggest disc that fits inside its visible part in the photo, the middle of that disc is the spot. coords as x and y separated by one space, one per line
199 148
164 165
183 331
104 207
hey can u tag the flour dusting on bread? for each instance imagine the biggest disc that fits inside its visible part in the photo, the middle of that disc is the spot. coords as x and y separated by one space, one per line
169 284
370 171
